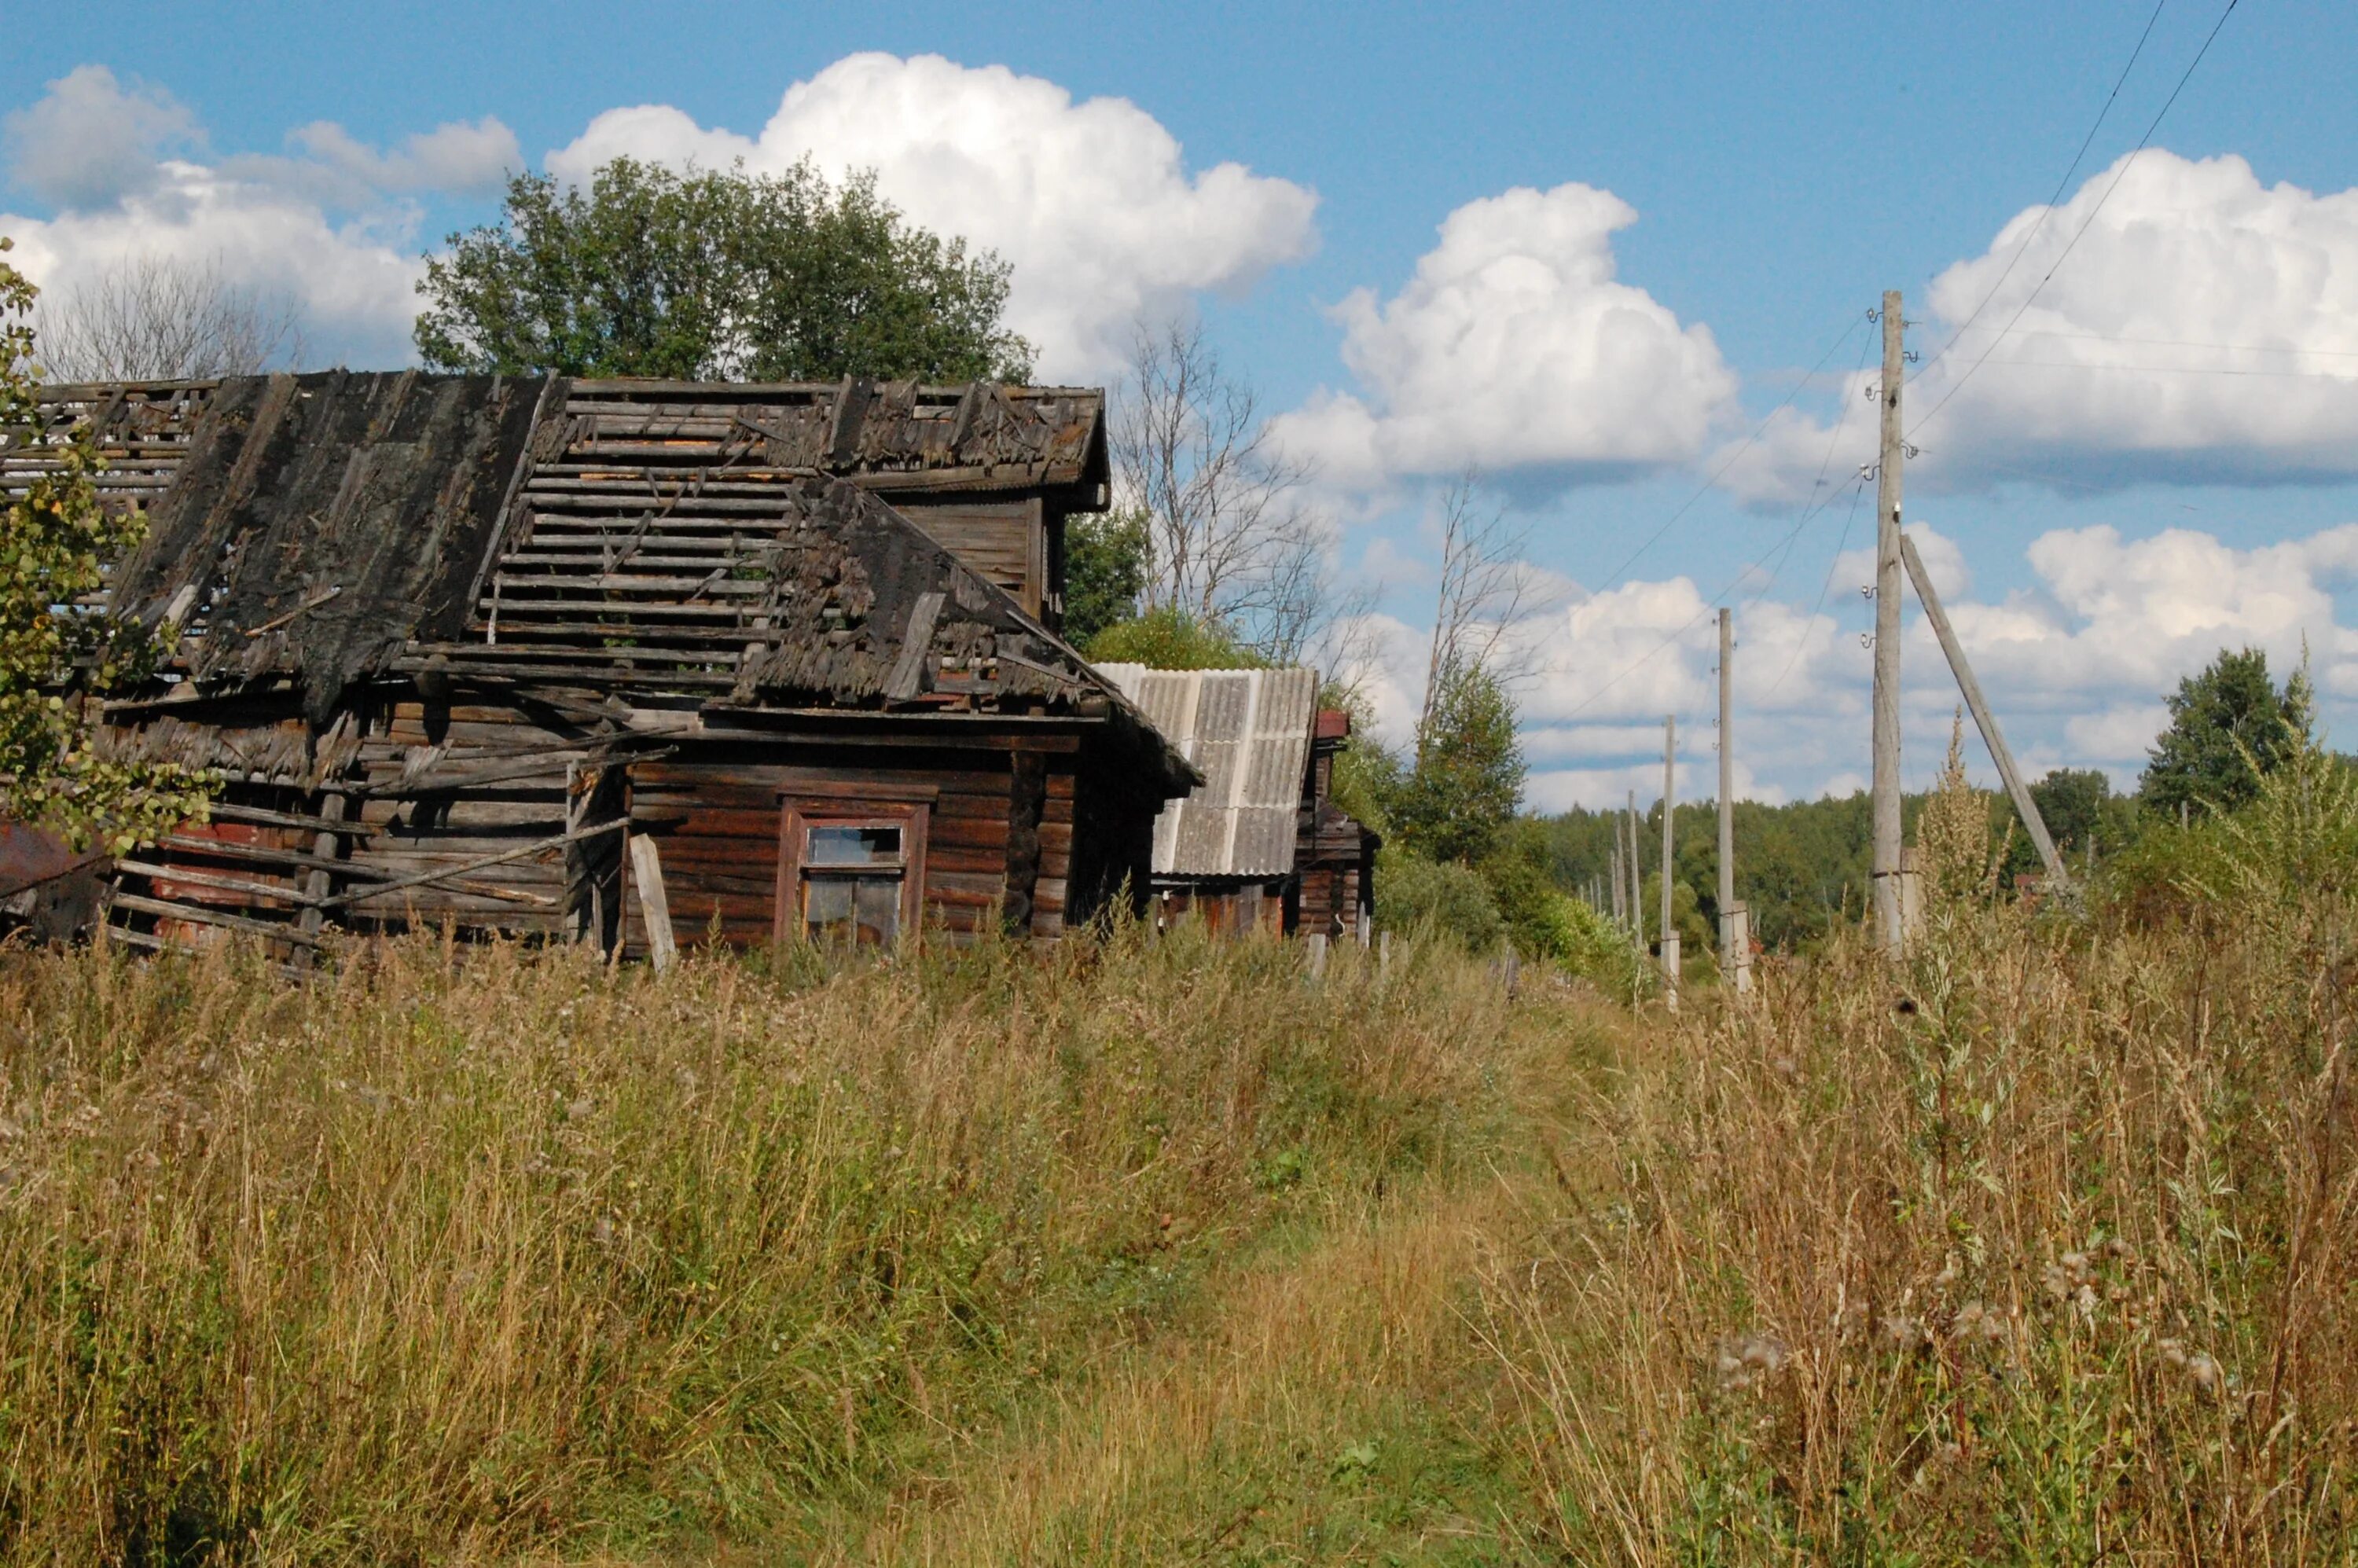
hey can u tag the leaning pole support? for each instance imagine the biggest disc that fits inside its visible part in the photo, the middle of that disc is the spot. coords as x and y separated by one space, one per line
1983 720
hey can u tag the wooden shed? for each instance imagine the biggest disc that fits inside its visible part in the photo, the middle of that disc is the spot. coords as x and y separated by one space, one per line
622 662
1259 844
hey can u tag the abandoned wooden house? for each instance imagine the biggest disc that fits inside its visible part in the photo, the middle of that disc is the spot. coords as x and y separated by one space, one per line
1259 844
624 661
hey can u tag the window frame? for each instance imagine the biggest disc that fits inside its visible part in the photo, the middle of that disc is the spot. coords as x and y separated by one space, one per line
803 807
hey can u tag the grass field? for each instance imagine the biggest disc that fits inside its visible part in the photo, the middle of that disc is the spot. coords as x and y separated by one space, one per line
2038 1248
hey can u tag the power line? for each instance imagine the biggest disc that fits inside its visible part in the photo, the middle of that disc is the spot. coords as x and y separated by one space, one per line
1833 442
1613 579
2119 173
2061 185
2186 343
1826 588
2347 378
1709 605
1782 550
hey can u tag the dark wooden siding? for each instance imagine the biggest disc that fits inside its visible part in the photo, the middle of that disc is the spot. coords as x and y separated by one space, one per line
1005 541
999 834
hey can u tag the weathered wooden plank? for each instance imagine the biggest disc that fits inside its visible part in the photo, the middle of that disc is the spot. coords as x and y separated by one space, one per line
263 854
181 876
518 852
202 915
234 811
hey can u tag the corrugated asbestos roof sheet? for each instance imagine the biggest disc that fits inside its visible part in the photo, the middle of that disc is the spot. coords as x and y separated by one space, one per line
1247 732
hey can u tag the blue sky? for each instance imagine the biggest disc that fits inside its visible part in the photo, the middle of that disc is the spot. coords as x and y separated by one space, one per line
1779 167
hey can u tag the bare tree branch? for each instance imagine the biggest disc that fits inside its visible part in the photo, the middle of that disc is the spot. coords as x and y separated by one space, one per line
1230 542
158 319
1487 586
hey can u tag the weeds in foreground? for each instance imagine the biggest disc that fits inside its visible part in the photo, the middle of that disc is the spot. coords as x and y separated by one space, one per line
523 1255
2036 1249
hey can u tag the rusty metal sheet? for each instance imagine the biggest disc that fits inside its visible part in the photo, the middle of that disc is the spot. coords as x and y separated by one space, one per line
29 855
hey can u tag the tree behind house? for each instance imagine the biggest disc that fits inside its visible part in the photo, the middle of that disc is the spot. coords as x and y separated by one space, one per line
1466 781
714 275
161 318
1105 571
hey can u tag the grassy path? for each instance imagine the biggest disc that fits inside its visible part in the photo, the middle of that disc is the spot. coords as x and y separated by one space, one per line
1309 1415
1332 1403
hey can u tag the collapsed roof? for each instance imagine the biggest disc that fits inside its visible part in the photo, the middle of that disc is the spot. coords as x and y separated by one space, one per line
675 544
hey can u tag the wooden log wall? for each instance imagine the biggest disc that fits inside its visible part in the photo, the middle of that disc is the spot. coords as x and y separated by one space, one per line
999 834
478 812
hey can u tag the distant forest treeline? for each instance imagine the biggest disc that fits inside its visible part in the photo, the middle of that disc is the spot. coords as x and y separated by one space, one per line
1802 866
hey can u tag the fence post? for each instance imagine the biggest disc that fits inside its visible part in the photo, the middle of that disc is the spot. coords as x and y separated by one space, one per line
646 872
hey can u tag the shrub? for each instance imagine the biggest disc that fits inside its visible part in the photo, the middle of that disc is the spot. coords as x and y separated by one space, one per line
1440 897
1170 639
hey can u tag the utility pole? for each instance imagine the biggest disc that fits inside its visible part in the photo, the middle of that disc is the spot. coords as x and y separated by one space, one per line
1670 932
1637 882
1729 965
1620 883
1886 862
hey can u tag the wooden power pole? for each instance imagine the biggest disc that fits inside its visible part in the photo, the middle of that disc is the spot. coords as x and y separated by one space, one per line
1885 864
1735 939
1670 932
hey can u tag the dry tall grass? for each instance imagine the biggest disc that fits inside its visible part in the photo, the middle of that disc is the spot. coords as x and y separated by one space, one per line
436 1260
2039 1249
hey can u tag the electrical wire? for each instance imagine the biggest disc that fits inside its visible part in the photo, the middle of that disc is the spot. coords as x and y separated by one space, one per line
1783 550
1650 540
1834 566
1833 442
2119 173
1709 605
2187 343
2347 378
2061 185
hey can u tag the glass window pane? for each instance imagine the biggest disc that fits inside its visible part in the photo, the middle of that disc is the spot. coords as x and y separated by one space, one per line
843 846
879 903
827 909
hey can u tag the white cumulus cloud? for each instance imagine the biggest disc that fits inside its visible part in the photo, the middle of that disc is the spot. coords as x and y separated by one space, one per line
2176 320
1515 349
90 139
1090 202
329 227
2075 665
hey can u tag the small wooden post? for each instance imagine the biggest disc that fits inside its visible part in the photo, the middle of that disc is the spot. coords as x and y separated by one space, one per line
1384 955
1637 882
1316 943
646 872
326 846
1727 919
